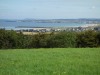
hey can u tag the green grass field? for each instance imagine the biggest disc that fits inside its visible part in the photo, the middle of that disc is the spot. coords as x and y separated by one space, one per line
56 61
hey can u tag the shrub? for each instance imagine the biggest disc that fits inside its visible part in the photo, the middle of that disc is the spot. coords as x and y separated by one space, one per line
87 39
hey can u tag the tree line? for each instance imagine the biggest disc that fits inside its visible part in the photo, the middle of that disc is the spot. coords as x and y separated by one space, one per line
10 39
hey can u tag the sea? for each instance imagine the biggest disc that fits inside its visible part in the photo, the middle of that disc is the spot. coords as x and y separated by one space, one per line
17 25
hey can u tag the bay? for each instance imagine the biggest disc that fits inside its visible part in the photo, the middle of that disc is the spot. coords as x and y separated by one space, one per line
16 25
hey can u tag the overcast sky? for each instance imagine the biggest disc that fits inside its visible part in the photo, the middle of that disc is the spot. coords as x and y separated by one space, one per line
49 9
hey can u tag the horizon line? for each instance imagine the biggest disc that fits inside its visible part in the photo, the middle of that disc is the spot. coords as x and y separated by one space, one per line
43 18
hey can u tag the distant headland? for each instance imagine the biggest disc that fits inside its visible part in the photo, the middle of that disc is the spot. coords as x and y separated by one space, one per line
80 20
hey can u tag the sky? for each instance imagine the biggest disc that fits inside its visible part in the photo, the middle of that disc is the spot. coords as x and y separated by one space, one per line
49 9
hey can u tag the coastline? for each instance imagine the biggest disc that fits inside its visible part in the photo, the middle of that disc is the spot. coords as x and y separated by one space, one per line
90 25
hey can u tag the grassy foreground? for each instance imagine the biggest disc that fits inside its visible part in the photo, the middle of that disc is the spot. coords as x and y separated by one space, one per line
57 61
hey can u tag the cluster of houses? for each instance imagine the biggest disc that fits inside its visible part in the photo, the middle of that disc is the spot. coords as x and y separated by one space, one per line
38 29
57 29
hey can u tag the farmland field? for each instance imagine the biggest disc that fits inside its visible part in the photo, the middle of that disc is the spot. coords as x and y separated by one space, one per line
53 61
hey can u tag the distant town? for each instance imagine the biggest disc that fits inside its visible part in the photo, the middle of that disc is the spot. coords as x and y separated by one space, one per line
36 30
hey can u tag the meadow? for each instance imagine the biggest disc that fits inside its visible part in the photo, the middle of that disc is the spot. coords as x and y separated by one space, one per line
50 61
